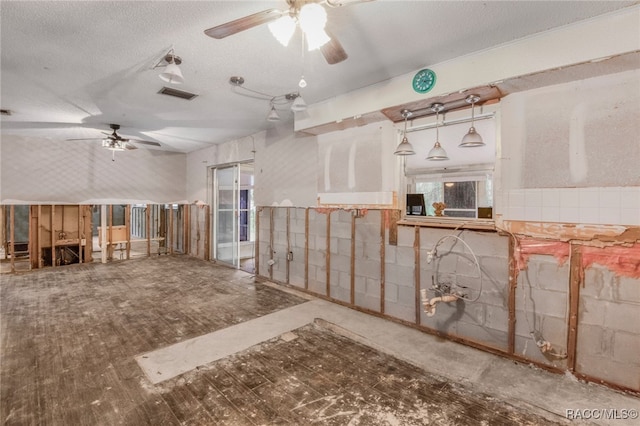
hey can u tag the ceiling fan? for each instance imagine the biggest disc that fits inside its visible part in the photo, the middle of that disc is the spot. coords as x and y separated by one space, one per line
114 142
282 24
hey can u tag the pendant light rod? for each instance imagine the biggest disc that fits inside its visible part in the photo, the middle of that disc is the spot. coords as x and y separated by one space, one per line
452 122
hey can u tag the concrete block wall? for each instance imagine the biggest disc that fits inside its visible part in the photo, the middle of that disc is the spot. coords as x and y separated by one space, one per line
609 327
608 337
542 308
475 264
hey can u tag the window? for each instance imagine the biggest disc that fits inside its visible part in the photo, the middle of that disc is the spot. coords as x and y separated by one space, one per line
462 198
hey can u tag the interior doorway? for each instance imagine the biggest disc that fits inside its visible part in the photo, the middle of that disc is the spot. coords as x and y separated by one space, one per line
234 216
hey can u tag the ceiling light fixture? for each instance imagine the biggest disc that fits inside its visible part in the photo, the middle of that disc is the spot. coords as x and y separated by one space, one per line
273 114
312 19
298 104
472 138
437 153
171 72
405 147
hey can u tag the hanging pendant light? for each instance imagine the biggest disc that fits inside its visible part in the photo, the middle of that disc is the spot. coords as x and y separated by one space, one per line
172 73
437 153
298 104
472 138
405 148
273 114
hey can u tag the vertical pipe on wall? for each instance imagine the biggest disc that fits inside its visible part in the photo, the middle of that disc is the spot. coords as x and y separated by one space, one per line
306 248
513 284
352 296
416 268
383 218
328 254
576 278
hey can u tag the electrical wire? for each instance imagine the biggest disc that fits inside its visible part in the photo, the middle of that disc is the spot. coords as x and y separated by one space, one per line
475 259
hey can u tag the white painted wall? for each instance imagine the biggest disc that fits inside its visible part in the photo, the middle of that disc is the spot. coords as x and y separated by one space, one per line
46 171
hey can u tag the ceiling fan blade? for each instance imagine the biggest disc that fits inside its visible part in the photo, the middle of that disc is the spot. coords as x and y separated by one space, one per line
241 24
129 146
144 142
333 51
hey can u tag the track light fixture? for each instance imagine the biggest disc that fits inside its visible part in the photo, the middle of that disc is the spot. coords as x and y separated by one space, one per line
472 138
405 147
275 102
437 153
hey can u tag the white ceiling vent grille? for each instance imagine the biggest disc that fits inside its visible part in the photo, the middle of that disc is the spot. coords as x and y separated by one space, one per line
169 91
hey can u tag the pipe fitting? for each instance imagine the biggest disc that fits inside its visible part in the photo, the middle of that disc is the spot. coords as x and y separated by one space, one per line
430 305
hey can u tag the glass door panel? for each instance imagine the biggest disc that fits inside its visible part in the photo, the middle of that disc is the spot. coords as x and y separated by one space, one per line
226 196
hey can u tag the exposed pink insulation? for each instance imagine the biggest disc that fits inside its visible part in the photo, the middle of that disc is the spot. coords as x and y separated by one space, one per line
623 261
527 247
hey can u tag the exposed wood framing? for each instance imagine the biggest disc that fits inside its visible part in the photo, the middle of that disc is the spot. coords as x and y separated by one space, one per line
306 248
271 241
34 249
80 234
576 278
53 235
12 245
127 225
384 215
513 283
103 233
352 293
288 244
207 232
256 248
328 255
147 211
109 243
416 268
394 217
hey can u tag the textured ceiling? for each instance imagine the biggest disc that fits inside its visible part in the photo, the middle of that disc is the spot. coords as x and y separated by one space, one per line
71 68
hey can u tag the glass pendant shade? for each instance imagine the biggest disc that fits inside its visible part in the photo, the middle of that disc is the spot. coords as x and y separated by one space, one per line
298 104
172 74
471 139
283 29
273 114
437 153
405 148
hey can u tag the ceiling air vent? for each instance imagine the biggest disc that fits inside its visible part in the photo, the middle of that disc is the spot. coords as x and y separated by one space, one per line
5 111
177 93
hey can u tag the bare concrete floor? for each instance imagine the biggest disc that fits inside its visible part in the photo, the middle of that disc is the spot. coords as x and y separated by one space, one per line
71 336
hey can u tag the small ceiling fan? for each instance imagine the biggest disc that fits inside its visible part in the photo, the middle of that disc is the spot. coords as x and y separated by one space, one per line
282 24
114 142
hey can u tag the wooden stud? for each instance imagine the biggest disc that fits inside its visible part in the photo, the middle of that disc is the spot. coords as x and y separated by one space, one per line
384 214
185 233
127 225
53 235
33 237
148 228
207 232
88 233
12 234
328 255
352 296
513 284
271 224
80 233
306 248
256 247
170 228
394 217
416 268
110 236
576 279
288 243
103 232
